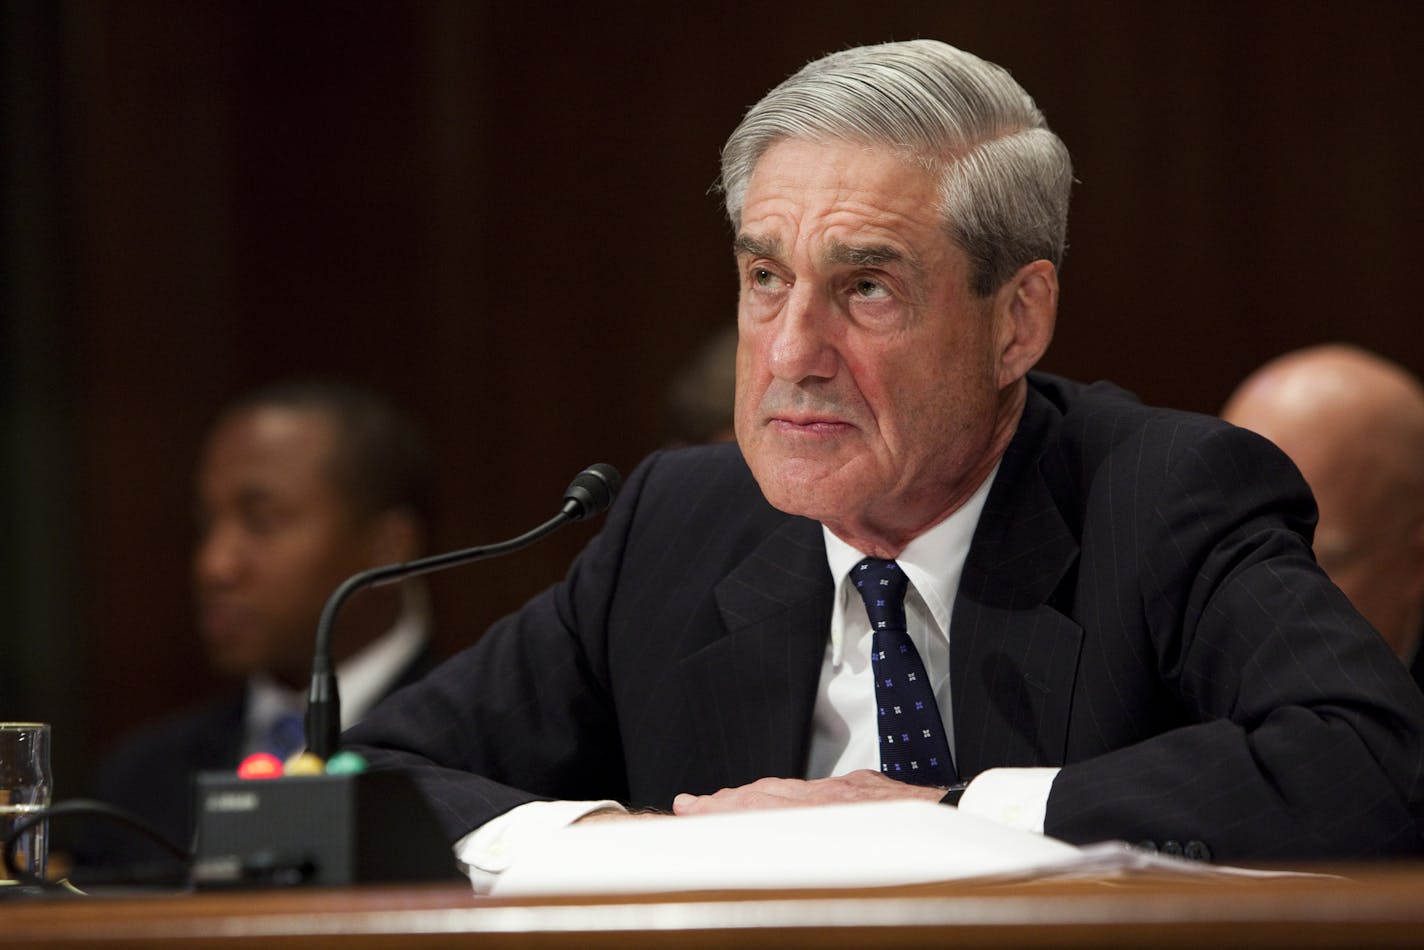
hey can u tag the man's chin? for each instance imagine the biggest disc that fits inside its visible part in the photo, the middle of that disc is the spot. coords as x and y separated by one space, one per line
810 494
232 657
235 667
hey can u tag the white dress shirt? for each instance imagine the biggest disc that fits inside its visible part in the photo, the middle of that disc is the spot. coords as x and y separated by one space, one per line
845 735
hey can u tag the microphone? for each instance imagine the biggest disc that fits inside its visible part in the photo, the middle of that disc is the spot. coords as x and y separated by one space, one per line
590 493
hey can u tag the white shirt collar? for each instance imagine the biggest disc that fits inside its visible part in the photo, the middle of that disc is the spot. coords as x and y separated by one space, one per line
364 677
370 673
933 562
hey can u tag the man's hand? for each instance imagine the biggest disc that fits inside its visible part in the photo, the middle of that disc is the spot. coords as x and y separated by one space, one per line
860 786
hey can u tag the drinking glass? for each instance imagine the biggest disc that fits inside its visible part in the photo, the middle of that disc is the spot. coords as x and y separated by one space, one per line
25 788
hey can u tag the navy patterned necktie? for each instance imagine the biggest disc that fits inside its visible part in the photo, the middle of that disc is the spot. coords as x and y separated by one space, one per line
285 736
913 746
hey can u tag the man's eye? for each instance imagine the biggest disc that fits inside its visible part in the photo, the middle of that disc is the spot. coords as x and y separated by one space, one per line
765 279
870 289
261 521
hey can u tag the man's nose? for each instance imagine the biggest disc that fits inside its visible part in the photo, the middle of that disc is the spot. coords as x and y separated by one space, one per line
803 347
217 559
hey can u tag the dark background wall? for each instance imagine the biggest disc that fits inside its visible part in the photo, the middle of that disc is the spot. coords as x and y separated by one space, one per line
498 213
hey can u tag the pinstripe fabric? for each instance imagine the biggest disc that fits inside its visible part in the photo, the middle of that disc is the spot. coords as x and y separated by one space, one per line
1139 606
1223 690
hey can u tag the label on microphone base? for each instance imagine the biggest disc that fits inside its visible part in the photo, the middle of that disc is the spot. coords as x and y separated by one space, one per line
316 829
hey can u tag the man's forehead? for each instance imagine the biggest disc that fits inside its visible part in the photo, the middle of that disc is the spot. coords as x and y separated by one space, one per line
270 447
840 170
843 203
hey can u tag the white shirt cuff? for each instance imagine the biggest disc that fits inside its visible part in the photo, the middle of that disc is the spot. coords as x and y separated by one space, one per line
1014 797
494 846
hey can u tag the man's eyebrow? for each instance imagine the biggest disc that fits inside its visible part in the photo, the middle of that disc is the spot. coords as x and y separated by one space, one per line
854 255
868 255
756 247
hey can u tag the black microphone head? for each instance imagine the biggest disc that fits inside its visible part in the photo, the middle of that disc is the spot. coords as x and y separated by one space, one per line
592 491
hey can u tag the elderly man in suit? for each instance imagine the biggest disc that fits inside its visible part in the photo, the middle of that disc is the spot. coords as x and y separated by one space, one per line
924 571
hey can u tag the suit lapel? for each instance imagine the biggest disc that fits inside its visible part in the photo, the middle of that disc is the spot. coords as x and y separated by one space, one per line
752 691
1013 656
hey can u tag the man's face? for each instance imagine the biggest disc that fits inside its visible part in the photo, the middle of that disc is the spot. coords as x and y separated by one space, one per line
276 537
1367 538
868 393
1378 570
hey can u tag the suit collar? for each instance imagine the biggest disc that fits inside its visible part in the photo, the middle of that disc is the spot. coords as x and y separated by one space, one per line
1023 545
776 608
787 568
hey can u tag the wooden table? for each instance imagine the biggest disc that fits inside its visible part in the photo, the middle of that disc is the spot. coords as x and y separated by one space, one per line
1373 906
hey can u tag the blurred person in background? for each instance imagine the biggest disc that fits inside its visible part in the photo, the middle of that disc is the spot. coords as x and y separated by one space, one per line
701 397
299 485
1353 423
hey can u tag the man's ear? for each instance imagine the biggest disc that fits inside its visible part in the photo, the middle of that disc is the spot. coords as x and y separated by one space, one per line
395 536
1025 311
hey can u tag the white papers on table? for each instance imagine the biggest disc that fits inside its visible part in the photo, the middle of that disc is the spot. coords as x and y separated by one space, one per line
863 845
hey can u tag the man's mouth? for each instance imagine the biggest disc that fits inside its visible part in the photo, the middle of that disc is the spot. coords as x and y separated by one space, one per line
809 425
219 621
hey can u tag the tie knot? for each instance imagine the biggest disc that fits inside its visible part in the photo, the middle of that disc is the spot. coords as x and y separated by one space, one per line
285 736
882 587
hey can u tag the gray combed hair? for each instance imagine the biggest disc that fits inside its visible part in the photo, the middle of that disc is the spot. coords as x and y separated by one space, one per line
1005 175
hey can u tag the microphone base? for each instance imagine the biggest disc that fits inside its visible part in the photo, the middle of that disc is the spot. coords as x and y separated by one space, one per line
316 830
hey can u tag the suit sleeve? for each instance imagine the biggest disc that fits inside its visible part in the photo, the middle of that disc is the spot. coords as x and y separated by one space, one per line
523 715
1302 735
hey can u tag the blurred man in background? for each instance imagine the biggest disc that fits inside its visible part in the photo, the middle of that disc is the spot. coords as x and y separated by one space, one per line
701 397
1354 425
299 485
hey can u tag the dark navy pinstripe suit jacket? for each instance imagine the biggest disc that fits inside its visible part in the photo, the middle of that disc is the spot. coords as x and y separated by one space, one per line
1139 606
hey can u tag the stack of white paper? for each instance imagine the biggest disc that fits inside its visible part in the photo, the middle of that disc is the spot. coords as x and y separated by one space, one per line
865 845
